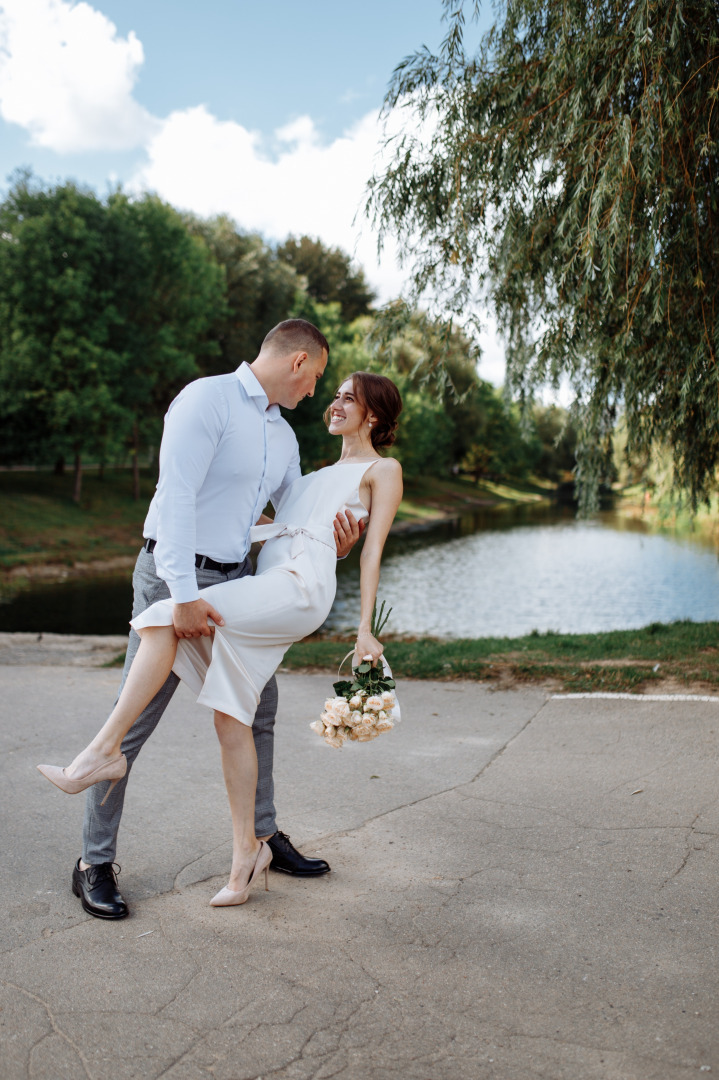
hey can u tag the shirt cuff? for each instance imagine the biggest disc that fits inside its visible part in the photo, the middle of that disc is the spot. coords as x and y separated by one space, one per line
184 590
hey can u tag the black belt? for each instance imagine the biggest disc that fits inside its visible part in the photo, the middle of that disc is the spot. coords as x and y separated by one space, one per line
202 562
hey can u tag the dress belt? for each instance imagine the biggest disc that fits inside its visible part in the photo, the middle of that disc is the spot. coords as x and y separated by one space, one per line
259 533
202 562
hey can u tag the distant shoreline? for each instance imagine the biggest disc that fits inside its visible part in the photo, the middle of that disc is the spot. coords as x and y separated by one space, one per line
436 503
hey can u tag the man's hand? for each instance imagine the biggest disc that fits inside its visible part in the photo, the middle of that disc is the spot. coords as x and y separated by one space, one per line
190 620
347 532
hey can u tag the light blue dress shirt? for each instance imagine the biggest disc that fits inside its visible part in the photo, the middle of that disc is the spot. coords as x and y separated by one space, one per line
225 453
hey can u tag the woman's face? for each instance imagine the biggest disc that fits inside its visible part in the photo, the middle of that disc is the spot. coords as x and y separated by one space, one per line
346 414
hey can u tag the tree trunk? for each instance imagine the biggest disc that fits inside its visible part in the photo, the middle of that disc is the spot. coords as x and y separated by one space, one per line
77 488
135 462
59 466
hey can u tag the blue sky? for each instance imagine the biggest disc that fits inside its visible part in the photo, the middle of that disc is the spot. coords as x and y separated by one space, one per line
265 111
259 64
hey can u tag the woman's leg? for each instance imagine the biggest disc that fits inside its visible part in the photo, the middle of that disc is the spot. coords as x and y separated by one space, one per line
150 668
239 765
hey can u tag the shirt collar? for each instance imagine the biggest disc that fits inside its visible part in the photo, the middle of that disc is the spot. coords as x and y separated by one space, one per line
254 390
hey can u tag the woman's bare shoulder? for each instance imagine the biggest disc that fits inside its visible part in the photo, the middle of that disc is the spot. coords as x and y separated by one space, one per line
387 467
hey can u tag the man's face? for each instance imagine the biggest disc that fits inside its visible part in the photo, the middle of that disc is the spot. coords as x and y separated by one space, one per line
306 373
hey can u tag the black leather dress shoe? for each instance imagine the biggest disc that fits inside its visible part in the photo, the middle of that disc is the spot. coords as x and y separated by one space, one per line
98 891
287 858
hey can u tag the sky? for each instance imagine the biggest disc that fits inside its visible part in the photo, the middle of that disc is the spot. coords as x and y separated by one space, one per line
268 112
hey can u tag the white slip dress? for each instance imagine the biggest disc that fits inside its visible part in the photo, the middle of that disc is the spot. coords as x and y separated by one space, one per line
289 597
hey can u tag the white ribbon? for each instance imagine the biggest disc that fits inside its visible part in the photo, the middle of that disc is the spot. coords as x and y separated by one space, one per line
259 533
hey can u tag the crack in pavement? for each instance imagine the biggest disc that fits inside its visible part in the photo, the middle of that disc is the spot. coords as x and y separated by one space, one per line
54 1024
197 858
340 834
690 849
233 1019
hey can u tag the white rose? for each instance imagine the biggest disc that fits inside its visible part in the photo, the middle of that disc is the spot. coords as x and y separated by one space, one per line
354 719
328 718
334 740
371 734
356 701
329 704
388 699
373 704
318 727
384 725
341 709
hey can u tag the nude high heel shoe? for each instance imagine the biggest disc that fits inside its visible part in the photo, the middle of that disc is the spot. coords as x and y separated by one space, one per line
113 769
228 898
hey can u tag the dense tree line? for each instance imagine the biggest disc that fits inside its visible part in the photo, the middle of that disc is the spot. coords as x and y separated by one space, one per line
108 307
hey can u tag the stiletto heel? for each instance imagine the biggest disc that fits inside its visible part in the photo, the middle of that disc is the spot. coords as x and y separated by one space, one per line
109 791
229 898
114 769
267 876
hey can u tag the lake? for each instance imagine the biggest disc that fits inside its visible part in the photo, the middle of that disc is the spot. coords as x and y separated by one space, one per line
495 573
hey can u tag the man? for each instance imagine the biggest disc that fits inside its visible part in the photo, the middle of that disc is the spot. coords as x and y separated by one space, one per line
226 451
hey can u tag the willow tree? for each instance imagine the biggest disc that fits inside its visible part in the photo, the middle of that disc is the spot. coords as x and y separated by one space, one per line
567 171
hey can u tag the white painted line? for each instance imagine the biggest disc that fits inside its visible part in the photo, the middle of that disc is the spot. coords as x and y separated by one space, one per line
634 697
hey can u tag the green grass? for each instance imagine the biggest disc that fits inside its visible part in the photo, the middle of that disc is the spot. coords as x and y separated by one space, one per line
624 660
431 498
619 661
41 524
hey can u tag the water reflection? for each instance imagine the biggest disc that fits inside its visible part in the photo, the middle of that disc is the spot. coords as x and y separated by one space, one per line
99 605
577 577
489 574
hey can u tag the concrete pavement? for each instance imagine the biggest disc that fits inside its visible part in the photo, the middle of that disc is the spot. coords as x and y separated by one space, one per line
522 887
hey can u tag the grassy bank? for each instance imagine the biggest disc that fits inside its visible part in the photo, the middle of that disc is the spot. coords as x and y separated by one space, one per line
42 526
670 658
433 499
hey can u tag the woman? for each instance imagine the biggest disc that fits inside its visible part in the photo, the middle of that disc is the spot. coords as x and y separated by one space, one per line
289 597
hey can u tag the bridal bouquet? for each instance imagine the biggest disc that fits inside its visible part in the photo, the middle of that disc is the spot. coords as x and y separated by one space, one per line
366 705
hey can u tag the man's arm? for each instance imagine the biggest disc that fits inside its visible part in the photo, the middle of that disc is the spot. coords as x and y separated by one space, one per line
193 428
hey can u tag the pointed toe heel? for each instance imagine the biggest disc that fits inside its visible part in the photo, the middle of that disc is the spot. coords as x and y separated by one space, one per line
114 769
228 898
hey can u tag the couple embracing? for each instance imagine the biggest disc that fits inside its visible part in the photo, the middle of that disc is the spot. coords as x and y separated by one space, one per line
200 616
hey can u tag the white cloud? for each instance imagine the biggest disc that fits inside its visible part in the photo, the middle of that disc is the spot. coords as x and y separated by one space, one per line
67 77
211 166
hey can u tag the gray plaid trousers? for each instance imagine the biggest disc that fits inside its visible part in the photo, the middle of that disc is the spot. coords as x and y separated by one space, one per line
101 825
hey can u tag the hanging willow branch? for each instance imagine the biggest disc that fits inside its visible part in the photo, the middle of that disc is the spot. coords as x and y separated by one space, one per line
570 170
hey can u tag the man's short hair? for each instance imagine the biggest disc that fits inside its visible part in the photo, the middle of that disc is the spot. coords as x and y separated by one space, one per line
295 335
